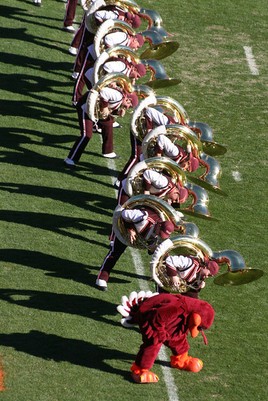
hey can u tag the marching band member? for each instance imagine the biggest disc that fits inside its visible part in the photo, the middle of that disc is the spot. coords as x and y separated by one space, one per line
111 101
185 158
88 37
152 119
145 223
69 16
160 185
112 65
192 270
111 40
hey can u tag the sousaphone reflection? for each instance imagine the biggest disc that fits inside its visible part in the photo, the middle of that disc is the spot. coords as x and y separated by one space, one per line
197 202
165 211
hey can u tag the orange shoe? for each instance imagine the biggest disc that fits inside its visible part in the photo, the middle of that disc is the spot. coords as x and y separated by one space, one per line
186 362
143 375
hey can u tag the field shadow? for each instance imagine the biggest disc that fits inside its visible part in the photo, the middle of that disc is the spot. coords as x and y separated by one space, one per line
61 349
47 113
80 305
62 225
56 267
16 140
92 202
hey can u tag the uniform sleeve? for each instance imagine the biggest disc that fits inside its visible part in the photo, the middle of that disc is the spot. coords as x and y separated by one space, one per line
156 116
165 144
109 95
151 177
104 15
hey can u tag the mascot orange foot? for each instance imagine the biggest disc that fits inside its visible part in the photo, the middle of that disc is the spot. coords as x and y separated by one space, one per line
143 375
186 362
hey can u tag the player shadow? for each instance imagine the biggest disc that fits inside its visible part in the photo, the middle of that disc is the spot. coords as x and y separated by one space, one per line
35 86
47 113
54 68
16 141
54 266
62 349
62 225
92 202
22 34
93 308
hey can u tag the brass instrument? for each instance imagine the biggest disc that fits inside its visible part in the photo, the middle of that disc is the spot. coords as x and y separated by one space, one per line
107 27
176 133
92 103
186 245
167 104
159 47
183 136
238 273
154 21
205 133
126 5
117 51
133 184
197 202
162 208
180 245
158 77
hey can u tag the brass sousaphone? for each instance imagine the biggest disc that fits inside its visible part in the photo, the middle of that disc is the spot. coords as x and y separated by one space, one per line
159 48
162 208
184 136
180 245
167 105
173 108
158 76
197 203
123 82
237 273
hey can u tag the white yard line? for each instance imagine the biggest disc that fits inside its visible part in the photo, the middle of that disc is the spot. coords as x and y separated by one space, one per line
251 60
140 270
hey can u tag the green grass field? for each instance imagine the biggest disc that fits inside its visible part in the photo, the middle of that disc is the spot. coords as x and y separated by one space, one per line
61 338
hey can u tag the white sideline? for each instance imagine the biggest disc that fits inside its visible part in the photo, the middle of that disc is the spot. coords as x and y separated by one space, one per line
251 60
140 270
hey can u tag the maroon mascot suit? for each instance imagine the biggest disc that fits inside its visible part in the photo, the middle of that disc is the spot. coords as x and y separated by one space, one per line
167 319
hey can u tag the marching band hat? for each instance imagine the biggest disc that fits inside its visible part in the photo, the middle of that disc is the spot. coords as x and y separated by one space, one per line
141 69
193 163
140 39
134 99
133 20
166 229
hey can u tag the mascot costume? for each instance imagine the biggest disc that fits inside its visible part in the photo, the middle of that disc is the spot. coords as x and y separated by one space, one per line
164 319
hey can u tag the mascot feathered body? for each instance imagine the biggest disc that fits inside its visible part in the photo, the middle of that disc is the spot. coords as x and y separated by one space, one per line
165 319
